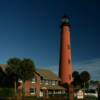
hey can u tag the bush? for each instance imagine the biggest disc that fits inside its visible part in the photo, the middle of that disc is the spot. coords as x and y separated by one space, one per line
7 92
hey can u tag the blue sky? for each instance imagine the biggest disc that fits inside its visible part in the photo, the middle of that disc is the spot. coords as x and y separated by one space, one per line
31 29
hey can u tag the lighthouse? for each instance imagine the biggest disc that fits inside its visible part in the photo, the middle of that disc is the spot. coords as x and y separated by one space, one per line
65 62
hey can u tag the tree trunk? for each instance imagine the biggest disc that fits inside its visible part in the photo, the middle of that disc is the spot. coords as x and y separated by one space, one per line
23 88
71 92
15 88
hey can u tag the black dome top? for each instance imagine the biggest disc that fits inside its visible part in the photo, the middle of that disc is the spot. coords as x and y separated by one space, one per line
65 21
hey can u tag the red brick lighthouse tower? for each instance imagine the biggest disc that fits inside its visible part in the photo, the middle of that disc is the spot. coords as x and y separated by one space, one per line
65 65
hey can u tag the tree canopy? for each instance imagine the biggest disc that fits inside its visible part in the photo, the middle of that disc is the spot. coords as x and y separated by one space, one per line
85 76
13 65
26 69
81 79
19 69
76 78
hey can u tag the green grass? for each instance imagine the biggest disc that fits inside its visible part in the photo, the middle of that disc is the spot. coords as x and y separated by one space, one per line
35 98
9 94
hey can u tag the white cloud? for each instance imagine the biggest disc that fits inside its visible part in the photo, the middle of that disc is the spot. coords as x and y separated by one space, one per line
92 66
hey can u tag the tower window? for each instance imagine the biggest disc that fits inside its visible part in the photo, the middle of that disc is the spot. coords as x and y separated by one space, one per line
69 77
69 61
68 46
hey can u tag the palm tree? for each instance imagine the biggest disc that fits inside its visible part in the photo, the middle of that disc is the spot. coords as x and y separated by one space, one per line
13 65
85 77
26 70
75 74
76 79
2 78
23 69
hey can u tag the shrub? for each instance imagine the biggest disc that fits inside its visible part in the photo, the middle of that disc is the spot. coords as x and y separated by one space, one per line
7 92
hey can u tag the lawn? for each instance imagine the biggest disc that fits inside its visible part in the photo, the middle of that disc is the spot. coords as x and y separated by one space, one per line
8 94
34 98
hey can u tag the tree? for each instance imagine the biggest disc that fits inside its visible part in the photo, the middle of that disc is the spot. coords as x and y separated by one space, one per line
76 79
85 77
75 74
12 70
2 78
17 68
26 70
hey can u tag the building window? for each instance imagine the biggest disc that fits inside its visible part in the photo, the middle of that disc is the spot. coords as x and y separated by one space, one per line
33 80
50 92
32 91
42 80
54 82
46 82
50 82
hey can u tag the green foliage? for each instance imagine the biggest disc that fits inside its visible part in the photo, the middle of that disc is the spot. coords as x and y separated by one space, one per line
87 85
16 68
75 74
26 69
94 82
20 68
2 78
13 65
76 79
13 61
85 76
31 98
81 79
